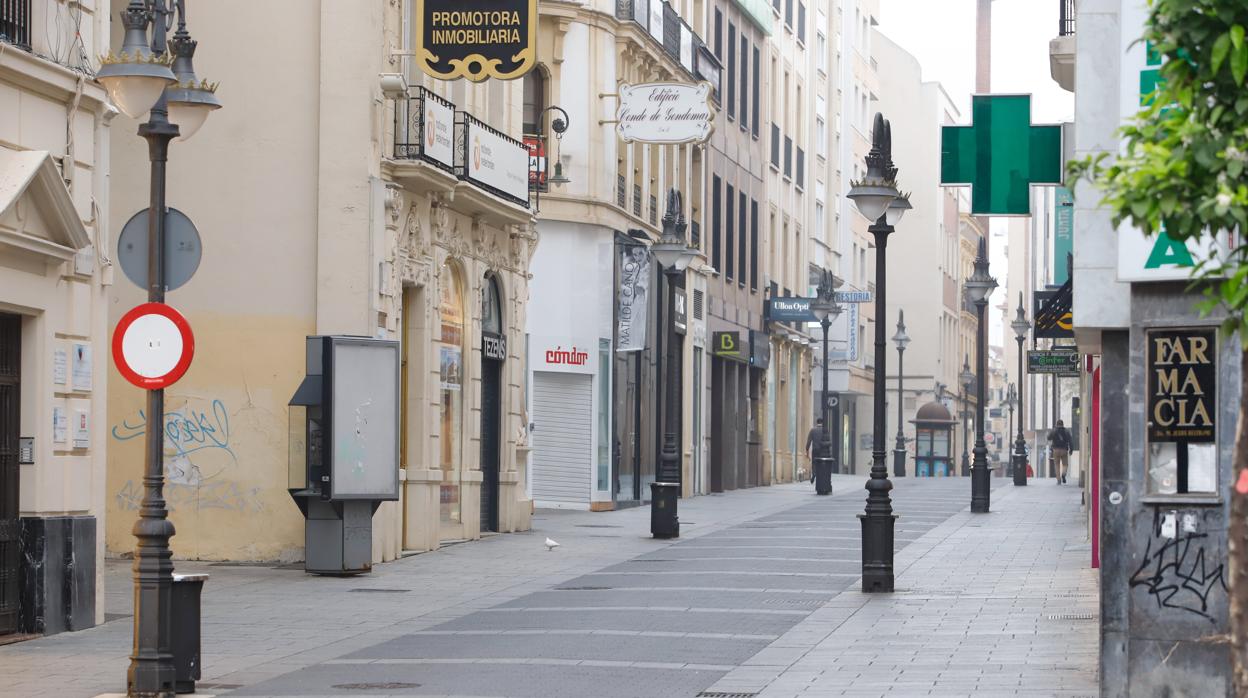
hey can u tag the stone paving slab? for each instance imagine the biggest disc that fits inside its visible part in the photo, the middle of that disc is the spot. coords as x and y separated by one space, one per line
973 614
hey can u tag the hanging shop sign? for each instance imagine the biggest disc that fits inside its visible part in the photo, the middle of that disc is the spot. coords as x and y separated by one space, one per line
789 309
1052 312
563 354
680 314
665 112
476 39
1061 362
496 162
633 297
1182 385
537 162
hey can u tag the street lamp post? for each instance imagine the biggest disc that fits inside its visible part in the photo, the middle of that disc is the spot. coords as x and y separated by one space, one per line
674 256
966 379
876 197
1009 402
1020 327
980 286
156 75
901 339
825 309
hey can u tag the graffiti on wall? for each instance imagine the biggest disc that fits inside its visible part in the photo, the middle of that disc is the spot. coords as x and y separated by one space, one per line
1181 569
197 455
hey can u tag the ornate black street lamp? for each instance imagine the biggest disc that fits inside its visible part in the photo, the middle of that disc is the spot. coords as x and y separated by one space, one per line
140 80
1020 326
901 339
825 309
966 379
673 256
980 286
877 199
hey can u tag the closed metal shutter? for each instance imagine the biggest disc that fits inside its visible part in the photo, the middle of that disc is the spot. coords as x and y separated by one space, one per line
562 437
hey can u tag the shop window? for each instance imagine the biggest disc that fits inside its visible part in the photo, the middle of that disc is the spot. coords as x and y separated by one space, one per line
1182 411
450 389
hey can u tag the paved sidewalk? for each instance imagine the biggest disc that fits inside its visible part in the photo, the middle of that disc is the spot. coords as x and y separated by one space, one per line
261 621
1000 604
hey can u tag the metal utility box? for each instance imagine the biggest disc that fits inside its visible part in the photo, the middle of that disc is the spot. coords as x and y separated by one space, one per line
344 448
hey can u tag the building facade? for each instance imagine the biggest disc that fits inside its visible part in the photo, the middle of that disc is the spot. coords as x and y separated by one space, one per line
55 274
1160 499
376 218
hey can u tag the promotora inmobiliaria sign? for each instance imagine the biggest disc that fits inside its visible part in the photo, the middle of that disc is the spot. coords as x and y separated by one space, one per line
476 39
665 112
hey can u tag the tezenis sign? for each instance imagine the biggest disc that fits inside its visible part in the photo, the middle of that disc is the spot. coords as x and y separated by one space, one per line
476 39
1182 385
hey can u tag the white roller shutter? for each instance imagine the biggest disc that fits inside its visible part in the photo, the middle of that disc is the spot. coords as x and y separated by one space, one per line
562 440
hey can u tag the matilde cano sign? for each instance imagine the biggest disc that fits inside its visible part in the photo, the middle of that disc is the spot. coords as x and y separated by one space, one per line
665 112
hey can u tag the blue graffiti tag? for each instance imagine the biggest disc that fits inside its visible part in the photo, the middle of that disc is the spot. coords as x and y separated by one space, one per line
187 431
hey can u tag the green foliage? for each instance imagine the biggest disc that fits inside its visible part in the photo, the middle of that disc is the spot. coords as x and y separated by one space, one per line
1183 163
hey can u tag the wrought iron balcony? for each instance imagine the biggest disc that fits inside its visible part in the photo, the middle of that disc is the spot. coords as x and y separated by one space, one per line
673 36
1066 18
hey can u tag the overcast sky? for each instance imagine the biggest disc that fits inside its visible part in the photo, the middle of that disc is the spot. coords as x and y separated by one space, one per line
941 35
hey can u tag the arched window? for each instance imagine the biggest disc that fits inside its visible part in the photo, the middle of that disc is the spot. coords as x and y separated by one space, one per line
491 306
451 389
534 101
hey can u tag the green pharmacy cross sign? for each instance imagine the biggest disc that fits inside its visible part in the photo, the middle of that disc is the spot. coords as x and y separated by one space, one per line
1001 155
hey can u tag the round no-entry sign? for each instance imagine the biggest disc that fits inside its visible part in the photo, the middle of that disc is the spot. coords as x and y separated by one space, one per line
153 346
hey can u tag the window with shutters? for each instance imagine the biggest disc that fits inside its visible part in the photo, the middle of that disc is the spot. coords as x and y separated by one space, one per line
728 234
716 230
742 212
732 71
753 245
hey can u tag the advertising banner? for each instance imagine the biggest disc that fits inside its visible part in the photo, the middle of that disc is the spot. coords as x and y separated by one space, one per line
476 39
665 112
497 162
438 130
633 297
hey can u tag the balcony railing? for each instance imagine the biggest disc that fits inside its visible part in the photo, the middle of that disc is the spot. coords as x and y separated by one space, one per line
1066 18
673 36
412 116
15 22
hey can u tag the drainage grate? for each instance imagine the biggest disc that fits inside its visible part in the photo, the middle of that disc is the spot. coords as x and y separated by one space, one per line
1072 616
375 686
379 591
582 588
793 602
726 694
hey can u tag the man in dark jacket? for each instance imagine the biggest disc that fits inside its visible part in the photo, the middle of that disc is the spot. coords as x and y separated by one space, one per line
813 439
1060 441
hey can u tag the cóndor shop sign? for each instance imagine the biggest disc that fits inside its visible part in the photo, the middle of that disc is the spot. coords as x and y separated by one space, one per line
665 112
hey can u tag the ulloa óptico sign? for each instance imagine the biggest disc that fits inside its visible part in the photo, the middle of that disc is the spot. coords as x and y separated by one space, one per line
476 39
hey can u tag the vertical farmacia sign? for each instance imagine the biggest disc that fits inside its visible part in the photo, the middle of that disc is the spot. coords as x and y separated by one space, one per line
476 39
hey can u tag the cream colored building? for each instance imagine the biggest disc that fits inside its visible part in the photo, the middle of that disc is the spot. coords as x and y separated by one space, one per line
54 278
323 211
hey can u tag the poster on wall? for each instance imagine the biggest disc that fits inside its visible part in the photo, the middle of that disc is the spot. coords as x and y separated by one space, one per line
81 371
60 425
475 39
634 297
497 162
665 112
60 366
451 368
82 429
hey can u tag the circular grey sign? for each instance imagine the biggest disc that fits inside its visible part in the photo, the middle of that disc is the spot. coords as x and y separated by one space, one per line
183 250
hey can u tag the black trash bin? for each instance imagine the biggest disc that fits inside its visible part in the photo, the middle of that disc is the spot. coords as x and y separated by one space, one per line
184 605
664 523
823 475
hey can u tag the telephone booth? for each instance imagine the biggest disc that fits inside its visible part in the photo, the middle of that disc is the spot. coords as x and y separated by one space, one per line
933 443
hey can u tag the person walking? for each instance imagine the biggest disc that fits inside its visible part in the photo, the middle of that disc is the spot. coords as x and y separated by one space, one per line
1059 440
814 437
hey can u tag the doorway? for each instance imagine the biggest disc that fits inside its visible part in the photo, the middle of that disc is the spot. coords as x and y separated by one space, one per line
493 356
10 423
491 400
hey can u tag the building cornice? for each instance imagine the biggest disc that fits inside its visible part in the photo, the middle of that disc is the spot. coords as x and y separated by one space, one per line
56 82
